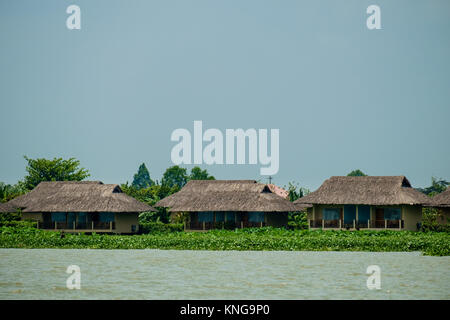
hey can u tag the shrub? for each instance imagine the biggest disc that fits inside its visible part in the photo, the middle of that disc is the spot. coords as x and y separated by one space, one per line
430 223
159 227
17 224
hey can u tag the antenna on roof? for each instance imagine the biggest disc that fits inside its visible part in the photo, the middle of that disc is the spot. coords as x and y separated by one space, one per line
270 179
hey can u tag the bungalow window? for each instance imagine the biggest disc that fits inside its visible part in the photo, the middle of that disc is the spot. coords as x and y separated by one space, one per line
82 217
349 213
256 216
230 216
331 213
392 214
106 217
205 217
363 213
220 216
58 217
71 218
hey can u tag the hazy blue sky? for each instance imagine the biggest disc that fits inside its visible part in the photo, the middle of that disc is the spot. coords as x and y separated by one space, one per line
343 96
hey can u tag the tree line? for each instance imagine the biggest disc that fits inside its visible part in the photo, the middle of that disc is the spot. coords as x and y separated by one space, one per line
143 187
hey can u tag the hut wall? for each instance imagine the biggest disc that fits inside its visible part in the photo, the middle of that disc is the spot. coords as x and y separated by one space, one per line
309 213
412 215
125 221
277 219
444 216
32 216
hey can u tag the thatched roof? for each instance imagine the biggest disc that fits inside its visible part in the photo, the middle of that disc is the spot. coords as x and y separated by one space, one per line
75 196
302 206
368 190
441 200
226 195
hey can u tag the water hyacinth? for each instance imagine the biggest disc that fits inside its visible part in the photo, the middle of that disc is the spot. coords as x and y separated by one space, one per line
430 243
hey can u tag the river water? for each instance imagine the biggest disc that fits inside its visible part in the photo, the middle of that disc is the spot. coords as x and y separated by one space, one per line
173 274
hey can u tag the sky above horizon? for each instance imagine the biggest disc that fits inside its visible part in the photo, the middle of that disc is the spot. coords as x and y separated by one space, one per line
343 97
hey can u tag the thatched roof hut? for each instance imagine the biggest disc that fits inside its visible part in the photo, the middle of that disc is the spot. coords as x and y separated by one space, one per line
302 206
226 195
366 190
441 200
75 196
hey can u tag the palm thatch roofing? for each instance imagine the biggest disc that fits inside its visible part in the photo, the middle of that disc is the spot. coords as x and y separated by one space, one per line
441 200
75 196
366 190
302 206
226 195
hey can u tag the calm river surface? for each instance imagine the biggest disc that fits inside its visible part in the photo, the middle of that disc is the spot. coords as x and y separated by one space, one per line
171 274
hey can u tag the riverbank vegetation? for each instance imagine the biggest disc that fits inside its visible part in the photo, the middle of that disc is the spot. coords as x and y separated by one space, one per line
430 243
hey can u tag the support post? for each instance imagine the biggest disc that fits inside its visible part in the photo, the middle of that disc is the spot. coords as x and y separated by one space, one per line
92 223
37 225
74 225
309 224
340 224
203 225
354 224
368 224
110 226
323 224
399 224
385 223
242 224
55 225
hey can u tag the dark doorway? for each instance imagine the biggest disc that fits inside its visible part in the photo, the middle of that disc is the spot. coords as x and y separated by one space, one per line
379 218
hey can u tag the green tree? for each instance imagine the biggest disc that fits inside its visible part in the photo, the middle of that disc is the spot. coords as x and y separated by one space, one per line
57 169
296 220
142 178
437 186
295 194
198 174
356 173
151 195
175 177
9 192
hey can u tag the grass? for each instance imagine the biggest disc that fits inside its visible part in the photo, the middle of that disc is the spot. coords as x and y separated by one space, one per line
430 243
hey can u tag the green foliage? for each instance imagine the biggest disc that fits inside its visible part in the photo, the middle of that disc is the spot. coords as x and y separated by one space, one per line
430 243
9 192
430 221
142 178
57 169
159 227
356 173
295 194
10 216
174 176
297 220
437 186
17 224
151 195
198 174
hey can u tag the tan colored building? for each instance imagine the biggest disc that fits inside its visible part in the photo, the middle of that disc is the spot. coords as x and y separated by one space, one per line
79 206
368 202
213 204
441 202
